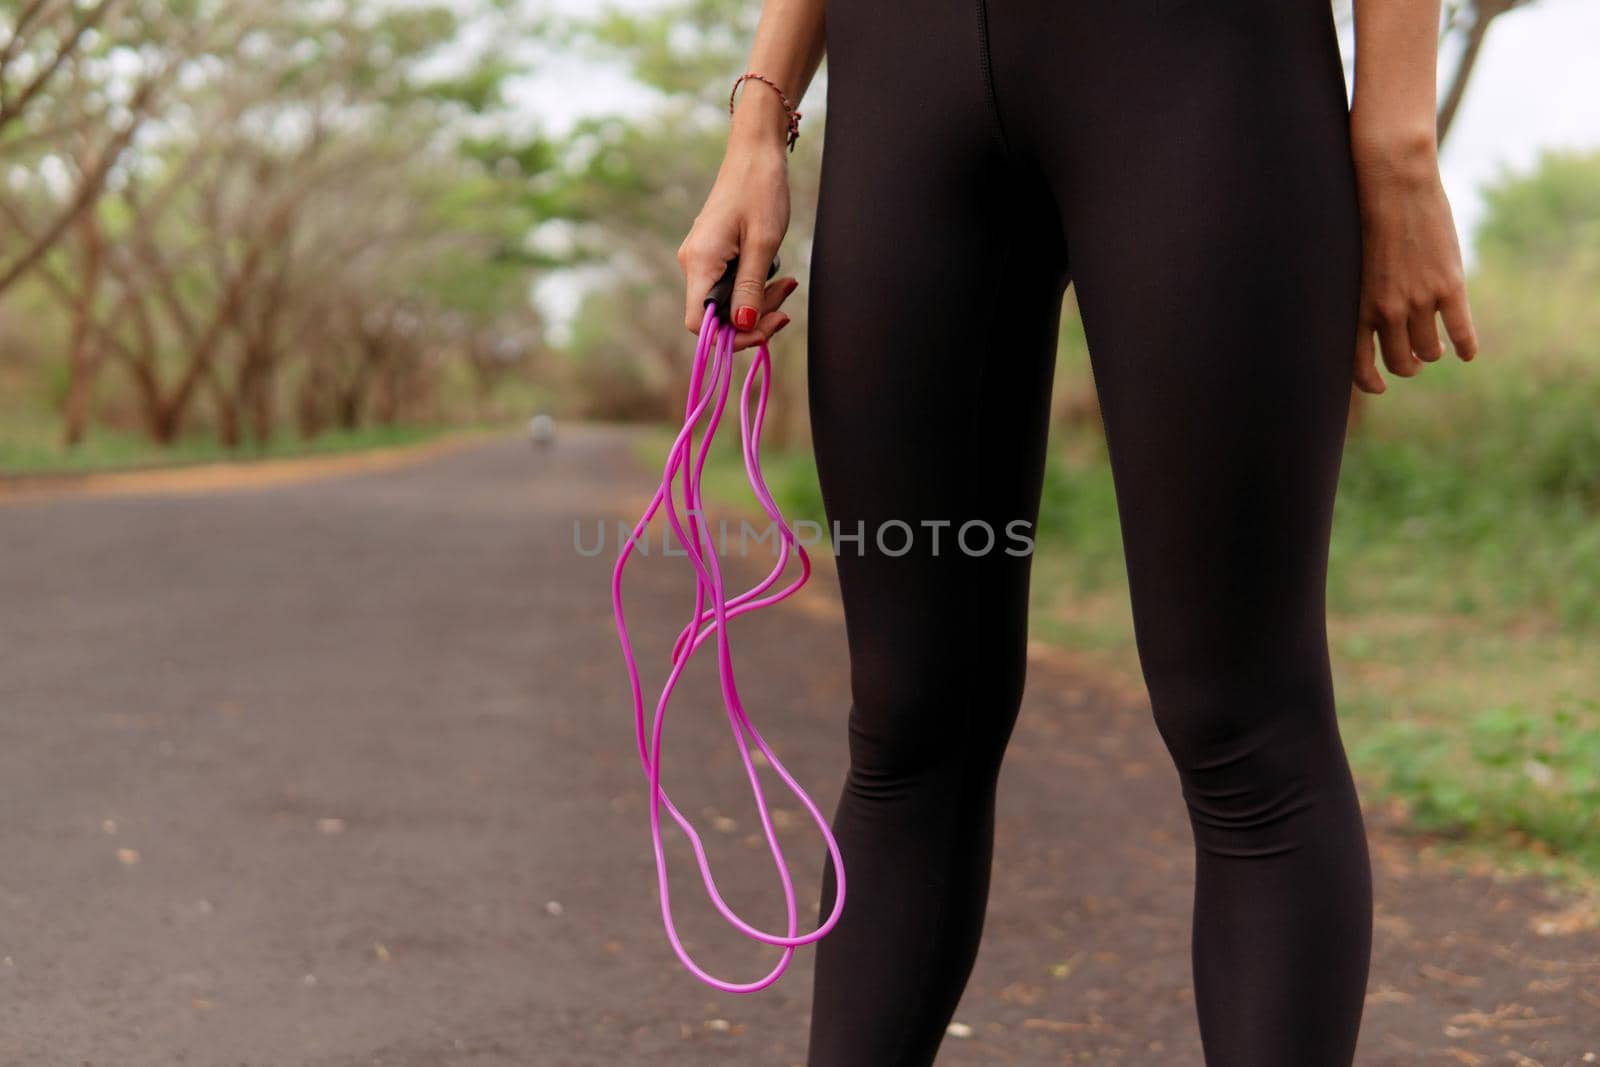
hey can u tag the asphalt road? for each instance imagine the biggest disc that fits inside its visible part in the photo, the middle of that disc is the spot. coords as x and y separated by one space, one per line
341 773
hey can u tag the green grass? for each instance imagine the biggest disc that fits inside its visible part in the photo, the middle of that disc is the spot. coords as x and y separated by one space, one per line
106 450
1476 493
1517 772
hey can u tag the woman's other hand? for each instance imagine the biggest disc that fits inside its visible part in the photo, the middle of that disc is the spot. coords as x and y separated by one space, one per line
745 215
1411 260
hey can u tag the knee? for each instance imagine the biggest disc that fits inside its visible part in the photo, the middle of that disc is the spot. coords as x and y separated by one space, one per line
940 724
1254 754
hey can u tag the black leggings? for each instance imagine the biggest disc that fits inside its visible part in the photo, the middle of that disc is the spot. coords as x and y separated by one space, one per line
1186 163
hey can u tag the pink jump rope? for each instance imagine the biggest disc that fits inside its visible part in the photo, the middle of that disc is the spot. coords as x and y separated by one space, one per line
709 381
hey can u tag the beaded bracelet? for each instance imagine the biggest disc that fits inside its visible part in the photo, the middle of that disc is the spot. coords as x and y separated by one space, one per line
794 116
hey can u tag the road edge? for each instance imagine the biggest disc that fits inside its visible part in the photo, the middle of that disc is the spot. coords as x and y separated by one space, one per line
234 475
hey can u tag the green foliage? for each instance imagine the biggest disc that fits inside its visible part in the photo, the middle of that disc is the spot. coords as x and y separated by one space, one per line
530 156
479 89
1546 219
1539 270
682 48
1502 519
1506 770
1078 509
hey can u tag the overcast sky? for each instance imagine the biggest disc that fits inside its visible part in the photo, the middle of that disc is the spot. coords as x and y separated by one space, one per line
1537 85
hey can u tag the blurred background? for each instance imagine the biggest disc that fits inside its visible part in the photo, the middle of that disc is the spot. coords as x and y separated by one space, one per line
234 231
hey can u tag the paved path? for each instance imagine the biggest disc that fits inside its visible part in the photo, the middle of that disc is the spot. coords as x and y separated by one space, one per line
339 773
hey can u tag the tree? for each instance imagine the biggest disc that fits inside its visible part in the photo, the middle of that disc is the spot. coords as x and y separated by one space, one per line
296 200
1468 22
69 106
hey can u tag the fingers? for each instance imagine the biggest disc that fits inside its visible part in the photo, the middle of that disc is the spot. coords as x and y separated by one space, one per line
1367 378
703 261
1393 321
1458 323
1411 339
778 291
772 320
755 300
762 332
750 284
1396 349
1423 332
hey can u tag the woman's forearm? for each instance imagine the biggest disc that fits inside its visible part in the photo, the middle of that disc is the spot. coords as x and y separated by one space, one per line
747 212
1392 114
1411 272
788 49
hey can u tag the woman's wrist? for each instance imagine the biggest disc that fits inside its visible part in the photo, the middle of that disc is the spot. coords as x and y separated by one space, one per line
1394 149
759 120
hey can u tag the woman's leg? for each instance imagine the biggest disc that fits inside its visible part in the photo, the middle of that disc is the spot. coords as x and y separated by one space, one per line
1199 159
1200 155
935 298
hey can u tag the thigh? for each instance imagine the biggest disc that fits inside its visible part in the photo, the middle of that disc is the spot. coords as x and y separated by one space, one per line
934 303
1212 216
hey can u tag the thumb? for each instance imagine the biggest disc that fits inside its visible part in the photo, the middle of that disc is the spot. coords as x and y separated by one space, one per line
750 283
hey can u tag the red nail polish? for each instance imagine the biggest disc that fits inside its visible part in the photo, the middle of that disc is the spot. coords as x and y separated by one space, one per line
745 317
